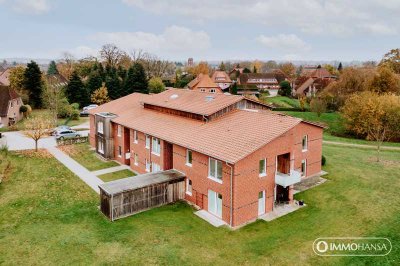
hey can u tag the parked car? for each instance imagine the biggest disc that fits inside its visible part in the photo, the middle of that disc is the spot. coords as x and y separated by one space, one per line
67 134
85 111
59 128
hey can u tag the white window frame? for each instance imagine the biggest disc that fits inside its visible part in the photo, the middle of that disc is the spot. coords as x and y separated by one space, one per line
304 147
147 142
304 173
155 167
119 130
135 159
215 178
264 173
135 137
187 157
148 165
100 127
156 146
189 188
100 146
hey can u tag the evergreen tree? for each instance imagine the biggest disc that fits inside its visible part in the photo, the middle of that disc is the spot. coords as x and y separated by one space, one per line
102 73
52 70
121 72
340 67
76 91
285 89
254 69
222 66
33 84
113 84
246 70
94 81
136 80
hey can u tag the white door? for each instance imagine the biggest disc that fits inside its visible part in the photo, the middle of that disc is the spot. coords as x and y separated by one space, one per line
215 203
261 202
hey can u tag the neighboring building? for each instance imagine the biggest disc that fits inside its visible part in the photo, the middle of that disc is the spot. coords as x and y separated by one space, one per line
57 80
222 79
204 83
312 80
262 81
4 77
10 103
239 158
190 62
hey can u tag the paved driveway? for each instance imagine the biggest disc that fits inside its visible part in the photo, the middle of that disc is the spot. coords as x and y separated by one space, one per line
18 141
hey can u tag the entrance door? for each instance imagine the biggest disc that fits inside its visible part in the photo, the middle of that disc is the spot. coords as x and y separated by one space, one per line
261 202
215 203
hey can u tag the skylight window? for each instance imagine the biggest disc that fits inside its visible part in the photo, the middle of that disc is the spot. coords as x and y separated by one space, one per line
173 96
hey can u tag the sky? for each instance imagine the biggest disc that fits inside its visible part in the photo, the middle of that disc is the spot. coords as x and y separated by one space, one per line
205 30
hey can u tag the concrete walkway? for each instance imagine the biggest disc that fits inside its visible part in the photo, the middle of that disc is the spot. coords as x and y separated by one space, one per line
388 148
281 210
213 220
111 170
84 174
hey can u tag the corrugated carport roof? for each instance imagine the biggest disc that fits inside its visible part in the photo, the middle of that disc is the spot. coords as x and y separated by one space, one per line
140 181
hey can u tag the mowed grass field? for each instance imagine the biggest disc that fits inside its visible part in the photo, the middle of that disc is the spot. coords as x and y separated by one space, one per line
49 217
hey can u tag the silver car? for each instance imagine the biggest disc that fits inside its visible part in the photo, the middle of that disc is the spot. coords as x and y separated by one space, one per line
67 134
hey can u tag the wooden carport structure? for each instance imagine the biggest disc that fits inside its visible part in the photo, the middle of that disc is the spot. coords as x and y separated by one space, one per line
127 196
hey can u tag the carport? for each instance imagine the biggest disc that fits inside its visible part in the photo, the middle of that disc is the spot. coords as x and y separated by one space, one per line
127 196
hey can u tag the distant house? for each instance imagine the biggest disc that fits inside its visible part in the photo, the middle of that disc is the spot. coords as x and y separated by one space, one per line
4 77
10 103
204 83
312 79
262 81
57 80
222 79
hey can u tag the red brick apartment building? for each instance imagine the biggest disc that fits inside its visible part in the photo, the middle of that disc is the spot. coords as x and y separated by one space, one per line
239 157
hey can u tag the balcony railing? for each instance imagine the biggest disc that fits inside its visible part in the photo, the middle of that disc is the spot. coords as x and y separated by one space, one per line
286 180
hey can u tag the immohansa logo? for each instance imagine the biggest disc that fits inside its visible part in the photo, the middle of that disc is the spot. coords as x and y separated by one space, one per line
352 246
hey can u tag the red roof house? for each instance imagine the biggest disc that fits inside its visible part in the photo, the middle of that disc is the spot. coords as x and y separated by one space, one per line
239 158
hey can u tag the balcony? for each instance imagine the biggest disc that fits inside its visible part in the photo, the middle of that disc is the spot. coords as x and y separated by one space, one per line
286 180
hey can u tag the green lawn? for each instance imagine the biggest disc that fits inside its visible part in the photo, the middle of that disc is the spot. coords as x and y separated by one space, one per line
83 154
116 175
44 112
283 101
49 216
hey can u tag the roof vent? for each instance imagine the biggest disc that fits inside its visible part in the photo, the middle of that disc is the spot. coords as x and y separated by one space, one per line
209 98
173 96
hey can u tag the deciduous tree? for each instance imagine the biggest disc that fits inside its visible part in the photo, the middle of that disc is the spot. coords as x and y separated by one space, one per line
156 85
392 60
100 96
318 106
37 127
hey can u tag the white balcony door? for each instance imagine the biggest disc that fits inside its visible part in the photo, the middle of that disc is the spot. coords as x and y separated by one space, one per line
215 203
261 202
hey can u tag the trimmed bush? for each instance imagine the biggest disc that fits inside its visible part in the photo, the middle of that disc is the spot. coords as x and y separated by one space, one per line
23 109
323 160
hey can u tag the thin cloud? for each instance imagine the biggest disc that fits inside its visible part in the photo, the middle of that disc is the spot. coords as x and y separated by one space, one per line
284 42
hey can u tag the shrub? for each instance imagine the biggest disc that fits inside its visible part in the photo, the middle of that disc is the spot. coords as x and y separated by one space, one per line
318 106
285 89
323 160
156 85
74 114
23 109
75 106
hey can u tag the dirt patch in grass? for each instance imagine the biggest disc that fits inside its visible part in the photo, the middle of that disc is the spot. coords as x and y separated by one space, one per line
69 149
41 154
384 162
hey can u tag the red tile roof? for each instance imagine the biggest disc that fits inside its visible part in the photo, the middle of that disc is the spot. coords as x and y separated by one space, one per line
229 138
221 76
195 102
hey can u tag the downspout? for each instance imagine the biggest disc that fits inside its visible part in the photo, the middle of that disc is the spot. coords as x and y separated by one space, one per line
231 192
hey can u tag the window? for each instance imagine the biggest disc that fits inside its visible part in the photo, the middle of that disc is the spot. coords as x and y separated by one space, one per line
189 158
156 147
119 130
262 171
100 127
135 137
100 146
119 151
11 103
188 186
135 159
304 143
148 165
202 90
212 90
155 167
215 170
303 167
147 142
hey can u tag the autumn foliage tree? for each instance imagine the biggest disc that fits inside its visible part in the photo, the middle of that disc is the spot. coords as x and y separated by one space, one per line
373 116
100 96
37 127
